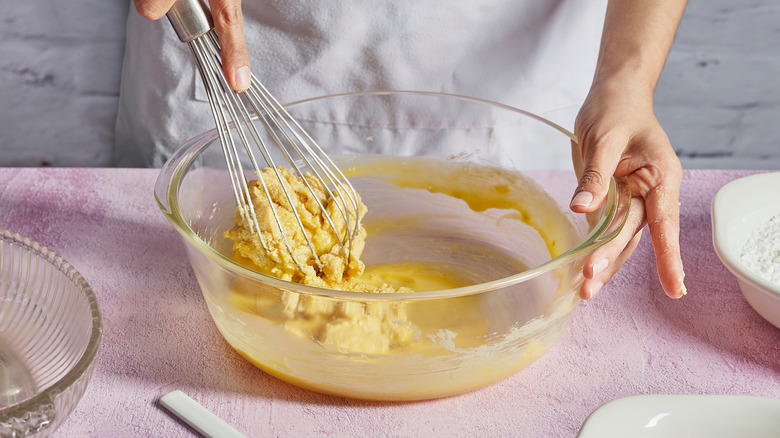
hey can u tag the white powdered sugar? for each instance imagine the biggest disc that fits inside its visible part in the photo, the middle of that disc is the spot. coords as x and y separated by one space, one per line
761 253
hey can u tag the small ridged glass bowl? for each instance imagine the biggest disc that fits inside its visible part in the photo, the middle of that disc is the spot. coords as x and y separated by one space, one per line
50 331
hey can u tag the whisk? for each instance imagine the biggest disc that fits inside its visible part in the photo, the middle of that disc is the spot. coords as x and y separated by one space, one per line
249 114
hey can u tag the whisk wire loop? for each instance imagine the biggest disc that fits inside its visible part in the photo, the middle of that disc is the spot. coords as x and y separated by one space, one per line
224 99
325 169
235 169
236 114
275 118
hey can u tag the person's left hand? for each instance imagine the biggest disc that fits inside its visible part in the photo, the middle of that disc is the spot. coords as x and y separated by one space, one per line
618 134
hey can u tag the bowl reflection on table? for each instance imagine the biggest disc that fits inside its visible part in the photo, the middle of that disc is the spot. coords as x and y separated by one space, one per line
50 331
440 177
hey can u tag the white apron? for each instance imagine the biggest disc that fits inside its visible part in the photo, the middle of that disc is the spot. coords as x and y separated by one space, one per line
537 55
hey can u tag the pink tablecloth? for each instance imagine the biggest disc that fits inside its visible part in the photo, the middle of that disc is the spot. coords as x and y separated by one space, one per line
158 336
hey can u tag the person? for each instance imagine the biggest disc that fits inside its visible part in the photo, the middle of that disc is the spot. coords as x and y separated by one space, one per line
600 58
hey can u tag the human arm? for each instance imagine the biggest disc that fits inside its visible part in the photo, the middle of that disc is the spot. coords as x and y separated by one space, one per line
618 134
229 25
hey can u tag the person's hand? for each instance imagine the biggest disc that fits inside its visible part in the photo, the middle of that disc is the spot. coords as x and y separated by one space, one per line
618 134
229 25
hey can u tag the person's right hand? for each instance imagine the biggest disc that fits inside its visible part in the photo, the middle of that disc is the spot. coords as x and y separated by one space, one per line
229 25
618 134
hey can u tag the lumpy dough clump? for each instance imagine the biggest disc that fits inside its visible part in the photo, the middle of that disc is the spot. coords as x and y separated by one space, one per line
271 248
349 326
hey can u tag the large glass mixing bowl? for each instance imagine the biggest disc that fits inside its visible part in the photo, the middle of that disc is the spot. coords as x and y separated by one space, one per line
456 188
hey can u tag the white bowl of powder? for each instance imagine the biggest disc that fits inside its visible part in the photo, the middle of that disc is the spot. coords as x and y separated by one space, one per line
746 236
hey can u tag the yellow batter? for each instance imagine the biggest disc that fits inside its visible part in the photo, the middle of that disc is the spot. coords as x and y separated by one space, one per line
350 326
430 347
363 327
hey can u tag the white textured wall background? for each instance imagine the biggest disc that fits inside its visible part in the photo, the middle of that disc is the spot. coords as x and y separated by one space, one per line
59 80
718 98
719 95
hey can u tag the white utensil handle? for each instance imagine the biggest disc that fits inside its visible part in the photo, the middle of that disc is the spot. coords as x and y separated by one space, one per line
192 413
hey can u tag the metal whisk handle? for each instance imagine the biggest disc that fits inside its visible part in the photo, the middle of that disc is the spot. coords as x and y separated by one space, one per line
190 19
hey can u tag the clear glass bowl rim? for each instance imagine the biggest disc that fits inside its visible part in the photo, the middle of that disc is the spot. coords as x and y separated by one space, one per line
35 403
169 182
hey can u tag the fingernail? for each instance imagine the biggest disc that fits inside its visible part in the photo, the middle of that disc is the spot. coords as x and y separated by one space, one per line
582 199
600 266
589 292
595 289
243 78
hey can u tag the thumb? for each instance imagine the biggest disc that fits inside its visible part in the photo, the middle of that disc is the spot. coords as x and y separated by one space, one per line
597 162
229 24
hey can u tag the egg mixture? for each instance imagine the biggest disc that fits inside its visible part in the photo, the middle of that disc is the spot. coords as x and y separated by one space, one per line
352 326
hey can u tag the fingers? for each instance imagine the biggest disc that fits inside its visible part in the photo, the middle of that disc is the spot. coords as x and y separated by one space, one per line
660 205
229 25
600 157
605 268
663 220
153 9
607 260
